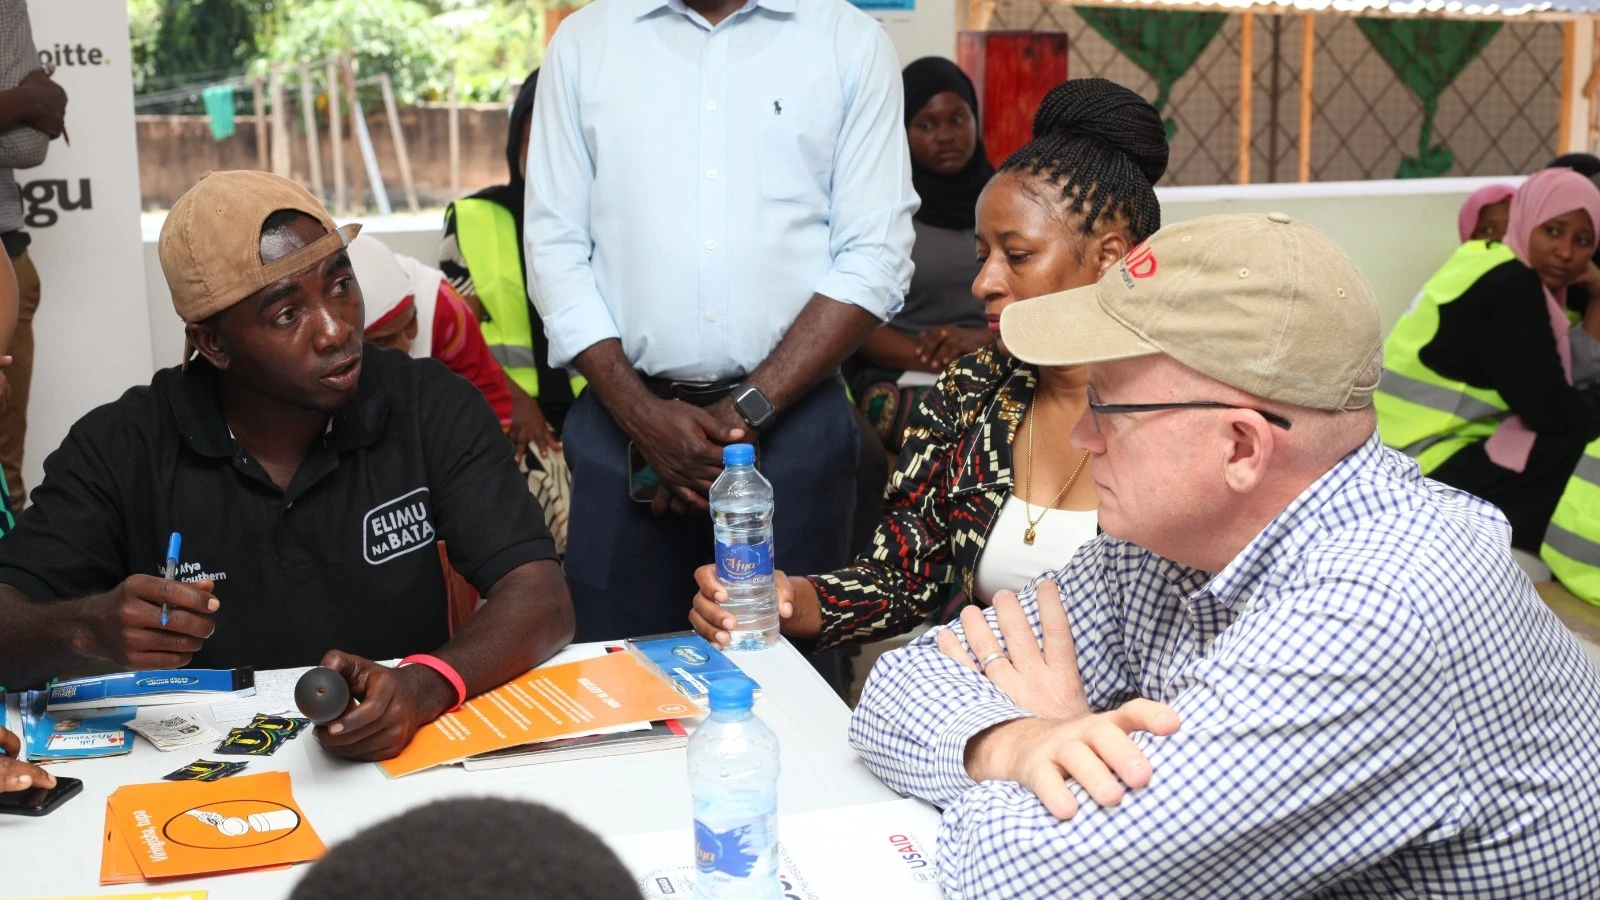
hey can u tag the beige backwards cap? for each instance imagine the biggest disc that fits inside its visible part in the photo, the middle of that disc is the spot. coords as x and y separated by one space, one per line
1263 303
211 241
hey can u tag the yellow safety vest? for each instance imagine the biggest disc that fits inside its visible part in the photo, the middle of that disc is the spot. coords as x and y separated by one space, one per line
1572 542
1420 412
487 236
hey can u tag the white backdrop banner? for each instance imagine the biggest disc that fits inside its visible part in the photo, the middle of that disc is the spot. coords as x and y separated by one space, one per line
92 332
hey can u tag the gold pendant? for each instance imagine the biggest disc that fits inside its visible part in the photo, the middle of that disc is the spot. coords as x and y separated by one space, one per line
1027 536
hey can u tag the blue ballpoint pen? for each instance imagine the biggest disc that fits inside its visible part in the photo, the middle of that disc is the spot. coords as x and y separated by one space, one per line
173 544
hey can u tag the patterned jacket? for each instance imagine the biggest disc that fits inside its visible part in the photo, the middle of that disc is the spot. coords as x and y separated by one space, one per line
942 501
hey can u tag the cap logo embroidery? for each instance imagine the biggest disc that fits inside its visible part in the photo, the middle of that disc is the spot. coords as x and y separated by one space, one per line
1141 261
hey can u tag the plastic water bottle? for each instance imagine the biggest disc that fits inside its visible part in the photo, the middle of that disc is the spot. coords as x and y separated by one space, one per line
733 776
741 508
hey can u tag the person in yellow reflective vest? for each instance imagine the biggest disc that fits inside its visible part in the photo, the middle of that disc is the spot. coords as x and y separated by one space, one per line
1488 386
481 255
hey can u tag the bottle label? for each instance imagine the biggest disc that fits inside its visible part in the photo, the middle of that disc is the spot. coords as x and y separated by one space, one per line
734 850
742 562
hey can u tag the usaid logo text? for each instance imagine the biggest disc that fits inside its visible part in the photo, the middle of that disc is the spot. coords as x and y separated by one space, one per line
397 527
916 862
1139 263
39 196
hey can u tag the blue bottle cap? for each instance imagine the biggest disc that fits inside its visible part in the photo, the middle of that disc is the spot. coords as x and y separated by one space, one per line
738 455
731 693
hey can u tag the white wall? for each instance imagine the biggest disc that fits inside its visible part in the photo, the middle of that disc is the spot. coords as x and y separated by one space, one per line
91 336
1398 232
927 30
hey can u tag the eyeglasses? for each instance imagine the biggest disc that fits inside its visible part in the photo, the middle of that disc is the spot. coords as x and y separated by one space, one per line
1098 409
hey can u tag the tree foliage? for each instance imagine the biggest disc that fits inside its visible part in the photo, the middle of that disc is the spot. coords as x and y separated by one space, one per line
491 43
173 39
494 45
393 36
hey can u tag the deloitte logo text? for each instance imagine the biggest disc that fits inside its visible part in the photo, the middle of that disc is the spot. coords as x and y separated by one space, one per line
68 55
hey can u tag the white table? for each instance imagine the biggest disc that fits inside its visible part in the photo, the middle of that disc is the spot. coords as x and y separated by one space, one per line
59 854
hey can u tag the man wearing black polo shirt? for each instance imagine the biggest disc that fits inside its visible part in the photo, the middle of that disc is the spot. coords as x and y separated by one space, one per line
311 482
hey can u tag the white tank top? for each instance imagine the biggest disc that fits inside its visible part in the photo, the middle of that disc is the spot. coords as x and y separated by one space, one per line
1009 564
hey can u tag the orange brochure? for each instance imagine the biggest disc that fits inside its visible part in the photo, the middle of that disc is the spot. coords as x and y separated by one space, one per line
542 705
118 865
193 828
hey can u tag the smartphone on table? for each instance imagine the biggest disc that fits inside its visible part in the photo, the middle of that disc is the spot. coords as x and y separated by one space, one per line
40 801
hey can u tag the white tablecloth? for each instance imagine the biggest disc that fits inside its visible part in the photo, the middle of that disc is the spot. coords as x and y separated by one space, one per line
59 854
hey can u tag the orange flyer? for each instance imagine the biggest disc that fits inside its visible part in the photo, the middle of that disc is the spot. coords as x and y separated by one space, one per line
192 828
118 865
542 705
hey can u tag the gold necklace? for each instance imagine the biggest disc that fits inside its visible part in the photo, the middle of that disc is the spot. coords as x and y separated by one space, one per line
1027 508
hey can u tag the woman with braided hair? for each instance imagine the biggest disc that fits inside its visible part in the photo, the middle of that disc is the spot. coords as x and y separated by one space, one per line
988 492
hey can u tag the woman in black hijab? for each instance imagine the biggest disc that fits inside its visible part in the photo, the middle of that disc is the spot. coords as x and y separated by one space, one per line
940 321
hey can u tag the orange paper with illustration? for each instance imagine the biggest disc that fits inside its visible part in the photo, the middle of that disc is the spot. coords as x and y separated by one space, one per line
118 865
195 828
542 705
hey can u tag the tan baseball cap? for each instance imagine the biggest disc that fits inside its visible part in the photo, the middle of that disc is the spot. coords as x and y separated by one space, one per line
1263 303
211 241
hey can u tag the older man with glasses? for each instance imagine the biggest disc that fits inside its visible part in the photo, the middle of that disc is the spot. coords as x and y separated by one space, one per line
1291 665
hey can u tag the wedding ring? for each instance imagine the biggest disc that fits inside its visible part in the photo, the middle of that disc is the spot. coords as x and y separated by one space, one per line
984 665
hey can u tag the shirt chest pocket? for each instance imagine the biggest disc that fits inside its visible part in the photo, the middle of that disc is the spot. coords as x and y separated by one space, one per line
796 141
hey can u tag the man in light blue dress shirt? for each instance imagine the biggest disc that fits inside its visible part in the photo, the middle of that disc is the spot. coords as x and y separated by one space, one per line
719 211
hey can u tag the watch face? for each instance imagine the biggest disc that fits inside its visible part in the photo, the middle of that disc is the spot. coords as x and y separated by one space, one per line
754 407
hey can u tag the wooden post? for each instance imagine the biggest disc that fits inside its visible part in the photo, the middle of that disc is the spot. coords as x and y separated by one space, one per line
308 112
553 17
257 95
1274 98
280 125
1569 52
1308 58
393 113
336 136
348 73
979 14
358 126
1247 64
455 136
1590 89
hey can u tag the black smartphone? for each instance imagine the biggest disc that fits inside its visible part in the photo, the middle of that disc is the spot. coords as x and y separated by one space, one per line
40 801
642 477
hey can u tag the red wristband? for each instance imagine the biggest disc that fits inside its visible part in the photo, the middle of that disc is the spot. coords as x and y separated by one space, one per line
444 669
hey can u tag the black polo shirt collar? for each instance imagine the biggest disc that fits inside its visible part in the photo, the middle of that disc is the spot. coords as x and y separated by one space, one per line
197 408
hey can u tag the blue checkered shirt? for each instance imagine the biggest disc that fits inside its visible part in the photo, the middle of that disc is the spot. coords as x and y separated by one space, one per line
1375 703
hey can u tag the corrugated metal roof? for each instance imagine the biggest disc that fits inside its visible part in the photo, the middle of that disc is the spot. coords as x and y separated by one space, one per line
1450 8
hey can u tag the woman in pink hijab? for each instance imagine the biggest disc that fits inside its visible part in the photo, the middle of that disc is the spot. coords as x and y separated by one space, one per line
1509 333
1485 214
